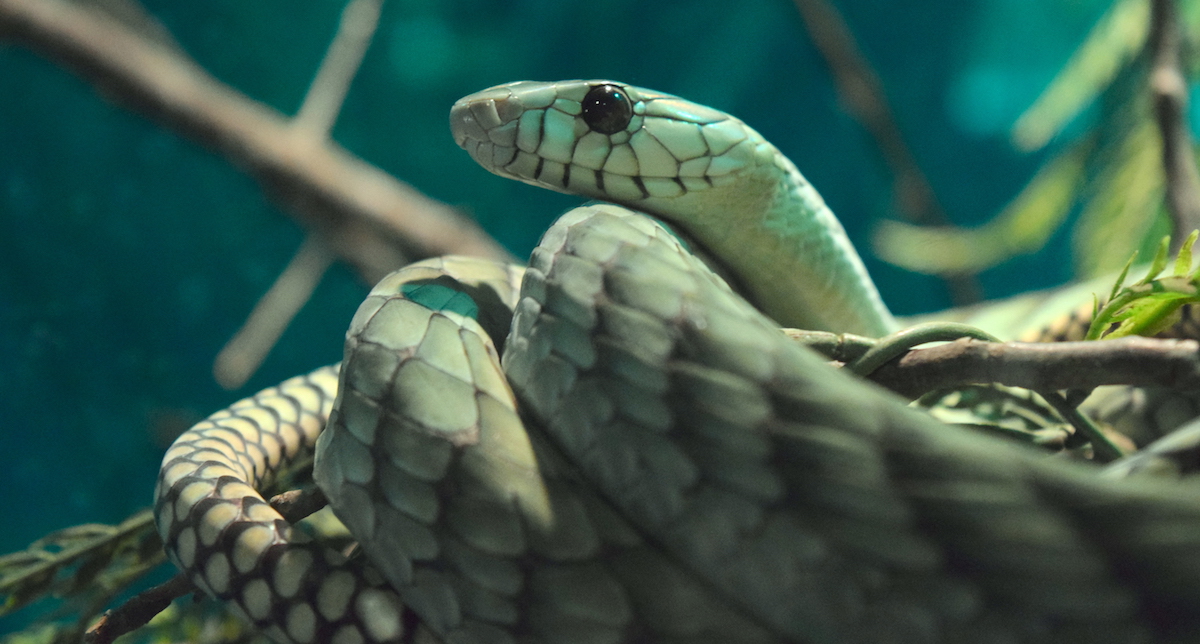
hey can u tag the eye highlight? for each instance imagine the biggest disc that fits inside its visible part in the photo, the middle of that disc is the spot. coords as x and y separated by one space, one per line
607 109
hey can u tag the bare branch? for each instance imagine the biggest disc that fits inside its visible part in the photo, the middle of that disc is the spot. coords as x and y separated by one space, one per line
294 505
138 610
368 217
324 99
242 355
1169 90
862 92
1045 366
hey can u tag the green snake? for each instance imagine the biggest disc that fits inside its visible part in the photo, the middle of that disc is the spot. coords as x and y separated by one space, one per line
652 460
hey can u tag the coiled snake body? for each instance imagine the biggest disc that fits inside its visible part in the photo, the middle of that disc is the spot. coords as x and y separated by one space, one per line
676 470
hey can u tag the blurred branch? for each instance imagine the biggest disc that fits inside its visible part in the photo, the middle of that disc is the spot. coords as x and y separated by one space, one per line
1169 89
323 102
1045 366
1108 50
245 351
375 222
862 93
241 357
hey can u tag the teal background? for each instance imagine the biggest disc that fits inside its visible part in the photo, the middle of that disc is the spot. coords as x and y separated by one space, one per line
128 256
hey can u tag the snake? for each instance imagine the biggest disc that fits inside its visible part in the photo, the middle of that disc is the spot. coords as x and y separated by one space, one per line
616 443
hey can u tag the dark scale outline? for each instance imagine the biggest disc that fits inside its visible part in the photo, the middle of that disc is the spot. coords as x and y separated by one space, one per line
637 181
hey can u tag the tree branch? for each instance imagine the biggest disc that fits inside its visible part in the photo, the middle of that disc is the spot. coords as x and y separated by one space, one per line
1045 366
862 92
374 221
323 102
242 355
138 610
1168 88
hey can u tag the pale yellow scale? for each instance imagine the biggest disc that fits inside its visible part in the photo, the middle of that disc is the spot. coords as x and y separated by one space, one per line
235 546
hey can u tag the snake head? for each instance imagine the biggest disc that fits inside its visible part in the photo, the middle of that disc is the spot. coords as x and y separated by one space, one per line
605 140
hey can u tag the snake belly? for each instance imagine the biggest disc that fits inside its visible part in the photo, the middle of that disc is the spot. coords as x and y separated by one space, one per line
654 462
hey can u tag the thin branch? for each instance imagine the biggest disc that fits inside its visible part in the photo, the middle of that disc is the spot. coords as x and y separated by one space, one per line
245 351
1045 366
323 102
374 221
1168 87
241 357
295 505
862 93
138 610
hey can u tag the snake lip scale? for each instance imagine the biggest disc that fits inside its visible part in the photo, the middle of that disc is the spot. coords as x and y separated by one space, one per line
648 458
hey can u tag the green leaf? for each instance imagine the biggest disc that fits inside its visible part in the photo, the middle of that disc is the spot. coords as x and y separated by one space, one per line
1119 283
1022 227
1159 263
1122 198
1183 261
1148 317
1115 40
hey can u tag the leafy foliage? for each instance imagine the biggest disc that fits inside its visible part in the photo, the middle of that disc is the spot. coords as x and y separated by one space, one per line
1110 177
84 566
1153 303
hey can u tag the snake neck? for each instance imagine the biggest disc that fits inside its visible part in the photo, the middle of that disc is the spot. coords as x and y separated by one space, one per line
775 235
711 175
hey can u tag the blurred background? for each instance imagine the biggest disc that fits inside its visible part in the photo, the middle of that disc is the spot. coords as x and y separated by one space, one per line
130 255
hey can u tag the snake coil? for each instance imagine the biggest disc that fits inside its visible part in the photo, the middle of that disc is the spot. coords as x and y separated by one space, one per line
651 459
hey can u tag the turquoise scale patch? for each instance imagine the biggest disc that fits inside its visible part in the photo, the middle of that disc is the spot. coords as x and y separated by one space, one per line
439 297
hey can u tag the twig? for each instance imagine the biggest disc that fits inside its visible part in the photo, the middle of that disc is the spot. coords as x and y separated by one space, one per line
242 355
294 505
138 610
1168 87
325 95
1103 448
245 351
1045 366
374 221
860 89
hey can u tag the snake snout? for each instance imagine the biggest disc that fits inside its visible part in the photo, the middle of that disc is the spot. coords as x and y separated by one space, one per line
475 116
463 124
484 125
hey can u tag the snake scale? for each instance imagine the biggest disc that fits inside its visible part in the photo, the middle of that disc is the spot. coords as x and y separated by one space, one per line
652 460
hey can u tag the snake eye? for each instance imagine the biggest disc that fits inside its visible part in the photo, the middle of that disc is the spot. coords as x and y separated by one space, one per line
607 109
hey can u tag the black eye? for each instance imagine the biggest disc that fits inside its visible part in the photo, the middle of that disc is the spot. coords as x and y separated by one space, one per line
607 109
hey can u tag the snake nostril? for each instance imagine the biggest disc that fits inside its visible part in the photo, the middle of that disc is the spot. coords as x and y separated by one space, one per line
463 125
